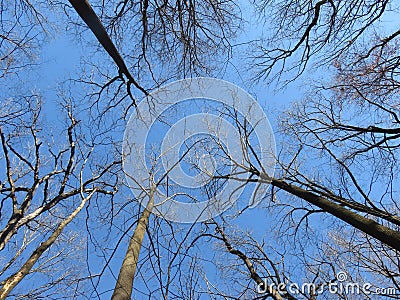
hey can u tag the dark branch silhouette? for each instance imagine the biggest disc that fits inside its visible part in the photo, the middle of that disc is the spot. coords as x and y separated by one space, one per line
87 14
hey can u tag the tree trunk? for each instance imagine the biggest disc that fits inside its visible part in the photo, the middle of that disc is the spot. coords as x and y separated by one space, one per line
14 279
382 233
124 285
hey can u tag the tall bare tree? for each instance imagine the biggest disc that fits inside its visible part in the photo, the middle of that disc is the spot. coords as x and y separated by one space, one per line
337 164
44 186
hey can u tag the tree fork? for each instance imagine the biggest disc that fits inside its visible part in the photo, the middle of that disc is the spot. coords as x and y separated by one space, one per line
88 15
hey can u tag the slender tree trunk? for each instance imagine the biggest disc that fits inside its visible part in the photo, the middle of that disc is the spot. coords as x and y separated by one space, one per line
124 285
14 279
87 14
382 233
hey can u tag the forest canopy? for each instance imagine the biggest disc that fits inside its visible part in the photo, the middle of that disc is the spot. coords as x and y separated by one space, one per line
320 222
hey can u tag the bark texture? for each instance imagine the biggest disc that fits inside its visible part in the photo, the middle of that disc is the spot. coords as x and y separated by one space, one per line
124 285
382 233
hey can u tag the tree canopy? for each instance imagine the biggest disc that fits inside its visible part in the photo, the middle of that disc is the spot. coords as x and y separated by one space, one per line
321 222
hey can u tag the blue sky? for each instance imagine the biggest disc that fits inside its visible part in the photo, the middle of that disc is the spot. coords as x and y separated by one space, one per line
61 58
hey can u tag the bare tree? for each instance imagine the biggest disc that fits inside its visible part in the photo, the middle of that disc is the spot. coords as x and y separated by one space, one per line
40 178
320 32
123 287
21 31
152 43
350 125
87 14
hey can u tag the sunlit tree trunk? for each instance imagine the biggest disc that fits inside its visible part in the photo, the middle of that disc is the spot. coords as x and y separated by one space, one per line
16 278
123 287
